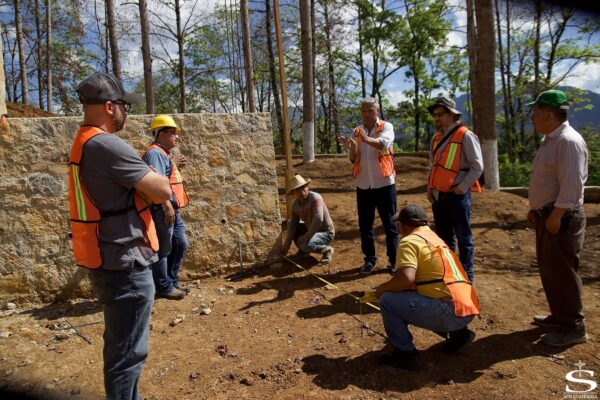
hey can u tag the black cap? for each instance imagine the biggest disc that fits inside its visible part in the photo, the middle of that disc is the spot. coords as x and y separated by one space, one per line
101 87
412 215
445 102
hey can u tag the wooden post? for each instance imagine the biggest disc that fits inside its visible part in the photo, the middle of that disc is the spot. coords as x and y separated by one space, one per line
286 124
3 110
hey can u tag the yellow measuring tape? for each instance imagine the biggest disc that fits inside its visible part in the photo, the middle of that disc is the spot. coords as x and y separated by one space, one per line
330 284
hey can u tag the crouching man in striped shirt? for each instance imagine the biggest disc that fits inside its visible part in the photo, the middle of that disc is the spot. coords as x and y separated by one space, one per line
556 209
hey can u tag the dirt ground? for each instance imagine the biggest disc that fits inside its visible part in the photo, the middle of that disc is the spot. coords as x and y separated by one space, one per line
283 334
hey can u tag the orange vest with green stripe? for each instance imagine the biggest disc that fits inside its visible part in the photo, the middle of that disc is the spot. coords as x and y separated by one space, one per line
386 157
446 163
455 278
176 180
85 216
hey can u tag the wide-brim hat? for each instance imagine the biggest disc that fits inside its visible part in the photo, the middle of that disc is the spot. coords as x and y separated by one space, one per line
297 182
445 102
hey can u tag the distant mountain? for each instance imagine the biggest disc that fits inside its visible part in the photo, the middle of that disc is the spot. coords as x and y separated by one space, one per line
579 117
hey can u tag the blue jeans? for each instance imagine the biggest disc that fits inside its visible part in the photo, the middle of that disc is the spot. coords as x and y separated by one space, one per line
452 216
384 200
172 244
179 245
127 298
316 244
399 309
162 281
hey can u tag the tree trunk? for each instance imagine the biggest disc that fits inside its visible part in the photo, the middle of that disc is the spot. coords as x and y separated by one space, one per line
22 61
3 110
480 36
38 46
506 100
248 56
333 105
181 66
308 98
147 57
49 104
417 108
112 35
361 63
272 72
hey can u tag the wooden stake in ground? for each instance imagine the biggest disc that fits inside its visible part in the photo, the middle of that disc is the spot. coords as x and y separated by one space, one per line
286 124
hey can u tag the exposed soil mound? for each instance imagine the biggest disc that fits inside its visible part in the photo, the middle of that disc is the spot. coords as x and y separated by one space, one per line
19 110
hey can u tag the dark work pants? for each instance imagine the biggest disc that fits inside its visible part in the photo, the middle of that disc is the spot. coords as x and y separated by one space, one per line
452 216
384 200
558 261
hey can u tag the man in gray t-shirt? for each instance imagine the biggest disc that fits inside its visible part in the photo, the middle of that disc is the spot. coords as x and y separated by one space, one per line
108 176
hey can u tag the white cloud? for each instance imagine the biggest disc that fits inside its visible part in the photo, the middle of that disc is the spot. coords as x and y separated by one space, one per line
585 76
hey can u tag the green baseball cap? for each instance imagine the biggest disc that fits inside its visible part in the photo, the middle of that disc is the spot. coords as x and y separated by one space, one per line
552 98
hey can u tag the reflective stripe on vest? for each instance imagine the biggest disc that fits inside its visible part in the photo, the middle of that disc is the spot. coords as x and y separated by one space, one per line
175 179
386 157
85 216
455 278
446 162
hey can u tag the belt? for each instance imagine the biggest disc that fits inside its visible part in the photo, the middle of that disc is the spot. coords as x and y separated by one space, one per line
546 210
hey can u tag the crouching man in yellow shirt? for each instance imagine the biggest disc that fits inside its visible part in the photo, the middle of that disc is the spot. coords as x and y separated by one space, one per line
430 290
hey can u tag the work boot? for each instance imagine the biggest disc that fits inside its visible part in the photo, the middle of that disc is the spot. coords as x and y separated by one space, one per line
403 359
545 321
174 294
559 339
457 340
327 255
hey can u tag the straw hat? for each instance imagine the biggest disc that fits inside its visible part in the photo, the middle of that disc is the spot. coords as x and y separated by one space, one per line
296 182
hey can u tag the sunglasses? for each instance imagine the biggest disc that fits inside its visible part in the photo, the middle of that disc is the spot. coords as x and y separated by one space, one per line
125 105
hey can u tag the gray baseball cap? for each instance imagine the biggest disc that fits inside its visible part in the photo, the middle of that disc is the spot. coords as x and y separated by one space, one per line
412 215
101 87
445 102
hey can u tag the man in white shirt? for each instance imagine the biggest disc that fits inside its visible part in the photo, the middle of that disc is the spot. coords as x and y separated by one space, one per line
371 150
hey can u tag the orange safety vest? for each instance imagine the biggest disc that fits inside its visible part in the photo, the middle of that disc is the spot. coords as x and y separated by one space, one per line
85 216
446 163
176 180
455 278
386 157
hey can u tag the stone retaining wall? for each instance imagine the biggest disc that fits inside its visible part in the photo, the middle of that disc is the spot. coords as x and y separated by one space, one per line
230 177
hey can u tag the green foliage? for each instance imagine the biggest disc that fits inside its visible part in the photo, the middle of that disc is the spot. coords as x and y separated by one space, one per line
593 143
513 173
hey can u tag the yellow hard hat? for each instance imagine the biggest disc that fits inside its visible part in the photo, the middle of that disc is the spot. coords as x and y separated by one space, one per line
163 121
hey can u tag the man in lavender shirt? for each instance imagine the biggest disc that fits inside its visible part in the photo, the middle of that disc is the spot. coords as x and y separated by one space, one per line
556 210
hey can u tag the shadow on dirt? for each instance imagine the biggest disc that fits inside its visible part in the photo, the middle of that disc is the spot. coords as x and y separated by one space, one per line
54 311
286 285
437 368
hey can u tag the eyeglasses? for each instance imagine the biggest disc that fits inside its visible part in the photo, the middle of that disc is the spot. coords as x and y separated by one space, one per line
125 105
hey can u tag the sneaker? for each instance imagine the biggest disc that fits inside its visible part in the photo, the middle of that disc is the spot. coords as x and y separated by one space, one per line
559 339
392 269
367 268
408 359
457 340
174 294
545 321
327 255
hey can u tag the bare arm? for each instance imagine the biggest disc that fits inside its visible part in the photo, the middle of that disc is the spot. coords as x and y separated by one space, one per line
154 188
403 280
